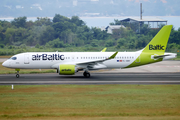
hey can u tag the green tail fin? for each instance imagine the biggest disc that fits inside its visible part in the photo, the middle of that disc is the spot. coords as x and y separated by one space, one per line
158 44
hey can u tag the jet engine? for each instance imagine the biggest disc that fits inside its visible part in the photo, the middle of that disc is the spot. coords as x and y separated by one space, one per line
67 69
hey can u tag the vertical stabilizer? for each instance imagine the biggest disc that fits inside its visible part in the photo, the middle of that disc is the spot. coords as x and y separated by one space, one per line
158 44
156 47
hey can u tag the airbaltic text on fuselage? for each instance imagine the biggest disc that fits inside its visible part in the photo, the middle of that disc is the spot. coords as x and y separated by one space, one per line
47 57
156 47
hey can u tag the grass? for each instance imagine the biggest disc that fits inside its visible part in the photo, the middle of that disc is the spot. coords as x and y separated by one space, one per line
5 56
99 102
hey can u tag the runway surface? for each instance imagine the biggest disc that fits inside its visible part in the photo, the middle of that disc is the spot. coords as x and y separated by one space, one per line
96 78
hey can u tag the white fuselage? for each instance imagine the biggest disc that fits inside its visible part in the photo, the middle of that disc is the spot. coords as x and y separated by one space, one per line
51 60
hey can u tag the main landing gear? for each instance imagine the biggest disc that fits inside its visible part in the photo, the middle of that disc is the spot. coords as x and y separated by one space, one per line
86 74
17 74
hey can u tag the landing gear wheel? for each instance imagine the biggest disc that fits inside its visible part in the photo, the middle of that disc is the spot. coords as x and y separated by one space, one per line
86 74
17 75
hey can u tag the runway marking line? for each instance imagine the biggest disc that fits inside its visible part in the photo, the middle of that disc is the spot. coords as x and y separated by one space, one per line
74 82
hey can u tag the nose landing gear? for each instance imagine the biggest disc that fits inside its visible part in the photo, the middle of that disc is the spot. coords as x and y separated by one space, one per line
17 74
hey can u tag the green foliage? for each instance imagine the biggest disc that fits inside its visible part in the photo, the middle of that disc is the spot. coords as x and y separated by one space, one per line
23 46
109 43
56 43
37 46
10 47
19 22
77 21
59 18
72 34
94 44
1 46
120 42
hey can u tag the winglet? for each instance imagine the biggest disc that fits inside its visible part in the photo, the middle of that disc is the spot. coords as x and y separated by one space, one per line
104 50
113 56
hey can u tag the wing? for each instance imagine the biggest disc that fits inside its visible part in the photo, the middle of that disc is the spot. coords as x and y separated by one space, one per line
97 64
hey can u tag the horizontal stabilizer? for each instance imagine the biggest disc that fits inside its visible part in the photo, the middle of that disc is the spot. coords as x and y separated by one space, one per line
161 56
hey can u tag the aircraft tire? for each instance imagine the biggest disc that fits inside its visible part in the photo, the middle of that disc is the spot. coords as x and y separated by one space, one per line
86 74
17 75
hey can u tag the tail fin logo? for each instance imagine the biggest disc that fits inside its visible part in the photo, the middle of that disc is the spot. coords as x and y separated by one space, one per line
156 47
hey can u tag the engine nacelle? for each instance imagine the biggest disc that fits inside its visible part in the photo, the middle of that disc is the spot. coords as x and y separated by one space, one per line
67 69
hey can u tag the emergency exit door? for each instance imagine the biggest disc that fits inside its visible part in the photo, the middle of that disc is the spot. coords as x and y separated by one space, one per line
26 59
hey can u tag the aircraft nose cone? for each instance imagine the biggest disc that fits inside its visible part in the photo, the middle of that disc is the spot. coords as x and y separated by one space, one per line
4 64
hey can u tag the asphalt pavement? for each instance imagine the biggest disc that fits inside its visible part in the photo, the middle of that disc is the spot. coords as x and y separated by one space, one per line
165 72
96 78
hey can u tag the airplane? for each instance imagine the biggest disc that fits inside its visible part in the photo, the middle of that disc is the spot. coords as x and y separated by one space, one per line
69 63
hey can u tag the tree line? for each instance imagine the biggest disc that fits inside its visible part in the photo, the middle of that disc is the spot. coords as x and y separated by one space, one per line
59 32
72 33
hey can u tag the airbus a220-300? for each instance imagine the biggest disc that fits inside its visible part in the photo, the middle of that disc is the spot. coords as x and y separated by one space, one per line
68 63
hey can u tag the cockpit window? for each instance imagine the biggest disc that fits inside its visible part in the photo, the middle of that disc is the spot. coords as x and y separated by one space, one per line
13 58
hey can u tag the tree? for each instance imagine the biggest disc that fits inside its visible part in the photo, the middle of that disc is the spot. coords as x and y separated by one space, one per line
20 22
59 27
120 33
1 34
77 21
46 35
56 43
1 45
67 36
60 18
43 21
109 43
175 36
94 44
9 35
37 45
120 42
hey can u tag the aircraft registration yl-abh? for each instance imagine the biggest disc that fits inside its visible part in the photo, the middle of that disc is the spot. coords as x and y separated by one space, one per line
68 63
